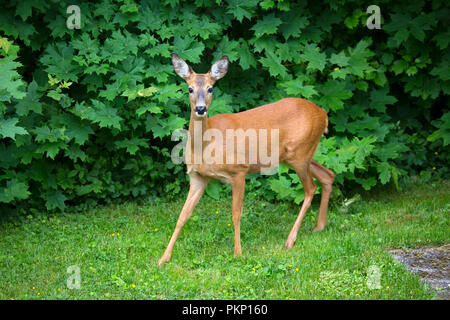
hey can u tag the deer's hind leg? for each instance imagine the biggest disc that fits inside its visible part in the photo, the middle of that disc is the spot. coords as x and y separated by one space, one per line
326 178
302 167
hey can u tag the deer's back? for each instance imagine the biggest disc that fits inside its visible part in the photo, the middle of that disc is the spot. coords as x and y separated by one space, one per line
292 116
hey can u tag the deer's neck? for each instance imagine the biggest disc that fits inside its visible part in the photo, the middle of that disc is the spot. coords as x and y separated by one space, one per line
197 128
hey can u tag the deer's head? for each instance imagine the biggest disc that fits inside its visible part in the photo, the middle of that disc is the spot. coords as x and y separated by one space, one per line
200 86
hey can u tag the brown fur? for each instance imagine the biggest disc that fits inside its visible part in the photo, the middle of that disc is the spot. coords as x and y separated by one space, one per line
301 124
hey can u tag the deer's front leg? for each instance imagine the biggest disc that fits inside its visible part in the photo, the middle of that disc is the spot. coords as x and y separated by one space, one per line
238 186
196 189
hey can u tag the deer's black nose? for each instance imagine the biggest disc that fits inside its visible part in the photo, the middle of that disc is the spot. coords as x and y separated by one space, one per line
200 109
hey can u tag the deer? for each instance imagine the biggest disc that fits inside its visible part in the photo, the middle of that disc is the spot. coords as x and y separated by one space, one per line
300 124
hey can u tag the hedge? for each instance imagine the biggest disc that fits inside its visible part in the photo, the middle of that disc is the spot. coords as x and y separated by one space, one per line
86 115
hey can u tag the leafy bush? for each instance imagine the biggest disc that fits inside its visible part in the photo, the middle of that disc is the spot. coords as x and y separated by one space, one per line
86 115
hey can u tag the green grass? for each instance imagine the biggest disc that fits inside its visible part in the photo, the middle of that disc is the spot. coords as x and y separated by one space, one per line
36 250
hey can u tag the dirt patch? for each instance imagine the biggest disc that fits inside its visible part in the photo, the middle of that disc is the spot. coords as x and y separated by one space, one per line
431 264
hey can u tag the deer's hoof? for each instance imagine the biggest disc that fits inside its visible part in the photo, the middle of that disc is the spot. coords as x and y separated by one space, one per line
162 261
289 243
318 228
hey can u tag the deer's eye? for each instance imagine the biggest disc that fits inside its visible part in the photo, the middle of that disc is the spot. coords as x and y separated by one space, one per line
210 90
191 90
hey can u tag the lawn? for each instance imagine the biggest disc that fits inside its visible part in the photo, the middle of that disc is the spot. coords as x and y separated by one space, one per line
116 249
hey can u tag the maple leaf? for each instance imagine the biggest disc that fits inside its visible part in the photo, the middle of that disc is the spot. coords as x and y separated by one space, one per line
227 47
162 49
156 126
293 24
14 190
120 46
221 104
51 149
420 24
24 9
92 82
52 135
8 128
336 164
273 63
104 115
88 49
166 92
358 63
442 70
326 19
203 27
150 19
175 122
368 183
384 169
265 43
246 58
443 131
74 153
105 10
75 128
399 66
312 33
30 102
316 60
54 199
58 62
139 91
58 27
332 95
399 27
340 59
281 186
132 145
340 73
5 45
390 150
16 28
296 87
111 91
380 98
242 9
10 81
151 107
187 48
442 39
289 50
129 72
268 25
160 72
353 20
213 189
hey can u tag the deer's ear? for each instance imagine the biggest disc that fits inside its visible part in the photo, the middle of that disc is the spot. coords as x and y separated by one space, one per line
181 67
219 68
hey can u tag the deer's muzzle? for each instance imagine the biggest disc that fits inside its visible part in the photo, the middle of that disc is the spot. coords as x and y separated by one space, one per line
200 111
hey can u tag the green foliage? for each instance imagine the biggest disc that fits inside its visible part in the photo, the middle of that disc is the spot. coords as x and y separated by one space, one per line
444 129
8 128
86 115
